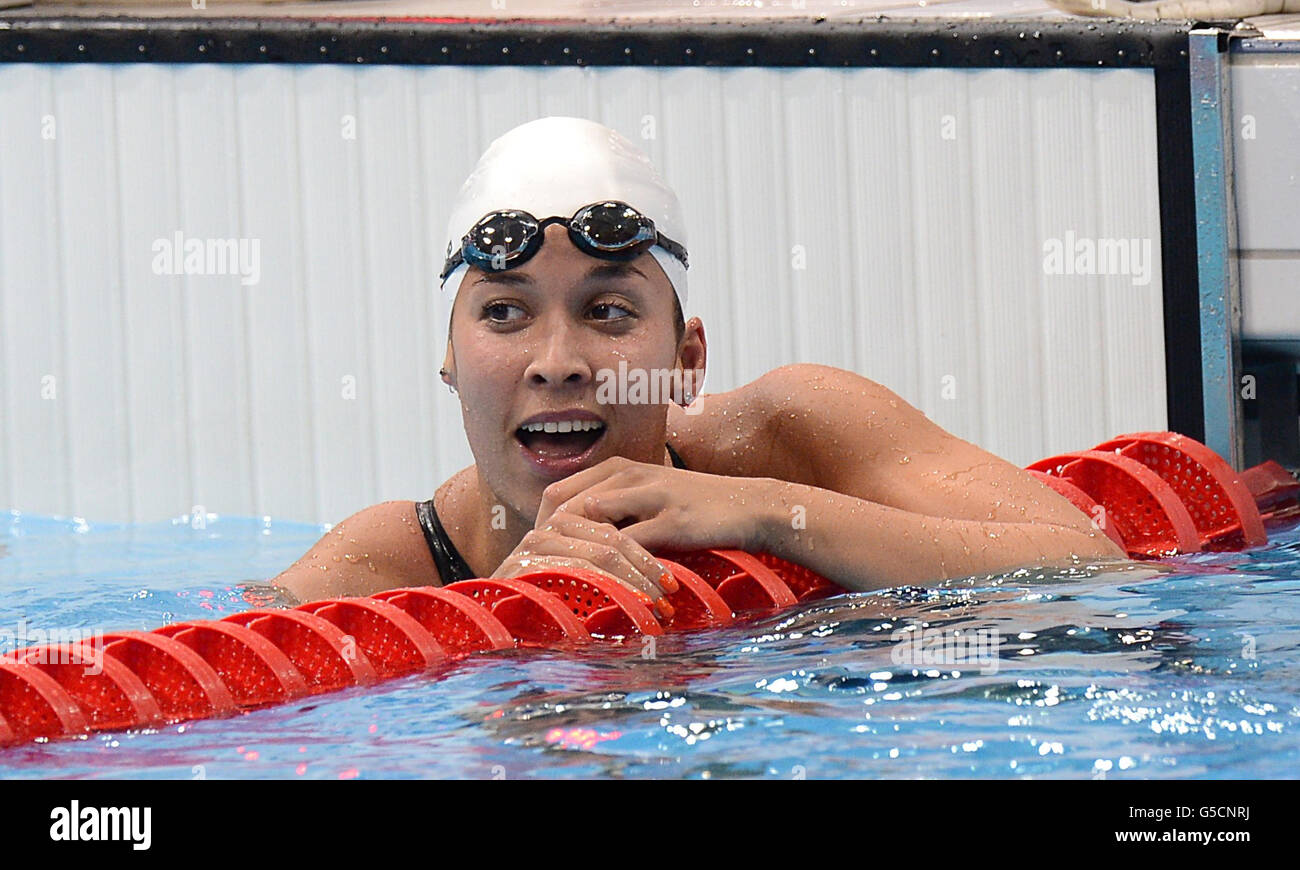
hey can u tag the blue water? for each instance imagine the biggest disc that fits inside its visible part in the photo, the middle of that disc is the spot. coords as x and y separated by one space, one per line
1189 668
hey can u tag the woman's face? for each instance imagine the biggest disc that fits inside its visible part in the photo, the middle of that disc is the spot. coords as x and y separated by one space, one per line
538 340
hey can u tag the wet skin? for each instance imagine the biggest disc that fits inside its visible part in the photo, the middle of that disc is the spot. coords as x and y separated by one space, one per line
813 463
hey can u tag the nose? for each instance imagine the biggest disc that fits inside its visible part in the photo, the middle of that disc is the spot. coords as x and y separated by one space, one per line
557 357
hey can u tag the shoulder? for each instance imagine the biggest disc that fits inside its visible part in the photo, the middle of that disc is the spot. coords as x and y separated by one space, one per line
802 384
787 423
840 422
378 547
392 532
816 398
378 516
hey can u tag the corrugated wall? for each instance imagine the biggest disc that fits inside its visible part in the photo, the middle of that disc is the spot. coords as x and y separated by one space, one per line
887 221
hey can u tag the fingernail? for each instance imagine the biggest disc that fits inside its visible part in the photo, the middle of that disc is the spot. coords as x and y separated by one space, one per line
669 583
666 610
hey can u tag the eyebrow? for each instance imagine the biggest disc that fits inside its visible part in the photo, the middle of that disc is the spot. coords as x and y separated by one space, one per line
605 270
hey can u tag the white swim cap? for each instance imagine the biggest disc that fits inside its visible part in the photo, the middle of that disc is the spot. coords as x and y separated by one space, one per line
555 166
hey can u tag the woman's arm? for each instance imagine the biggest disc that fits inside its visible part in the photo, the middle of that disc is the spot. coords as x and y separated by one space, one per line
898 499
864 545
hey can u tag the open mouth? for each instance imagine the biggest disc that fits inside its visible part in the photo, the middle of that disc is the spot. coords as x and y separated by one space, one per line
560 440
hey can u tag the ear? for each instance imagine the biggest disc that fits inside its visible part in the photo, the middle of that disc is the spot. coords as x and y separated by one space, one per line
448 371
693 355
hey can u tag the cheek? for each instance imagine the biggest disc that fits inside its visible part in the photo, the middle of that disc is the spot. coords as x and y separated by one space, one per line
488 384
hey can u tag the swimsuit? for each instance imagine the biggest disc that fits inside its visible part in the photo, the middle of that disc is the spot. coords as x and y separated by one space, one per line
452 566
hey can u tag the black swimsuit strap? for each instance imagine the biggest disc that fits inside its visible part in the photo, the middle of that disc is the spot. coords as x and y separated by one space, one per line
452 566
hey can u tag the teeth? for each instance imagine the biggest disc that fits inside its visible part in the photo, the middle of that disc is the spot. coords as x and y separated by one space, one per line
563 426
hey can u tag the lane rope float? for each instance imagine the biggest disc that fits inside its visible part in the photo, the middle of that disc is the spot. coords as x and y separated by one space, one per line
1155 494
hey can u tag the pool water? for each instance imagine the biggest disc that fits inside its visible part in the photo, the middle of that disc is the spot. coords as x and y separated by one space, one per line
1186 668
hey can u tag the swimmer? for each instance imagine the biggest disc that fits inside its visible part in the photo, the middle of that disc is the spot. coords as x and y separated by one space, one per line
566 263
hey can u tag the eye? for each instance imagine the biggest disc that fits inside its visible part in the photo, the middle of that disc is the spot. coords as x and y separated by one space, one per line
496 311
610 306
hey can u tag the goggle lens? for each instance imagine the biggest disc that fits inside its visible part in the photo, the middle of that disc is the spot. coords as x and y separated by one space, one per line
611 229
502 236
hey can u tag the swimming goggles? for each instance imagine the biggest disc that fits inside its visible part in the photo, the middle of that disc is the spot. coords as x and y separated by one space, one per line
611 230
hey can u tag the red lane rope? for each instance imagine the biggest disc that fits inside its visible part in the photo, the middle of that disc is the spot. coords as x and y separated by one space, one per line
393 641
1160 493
320 650
1082 501
695 603
741 580
256 670
185 686
535 618
604 606
1221 506
456 621
35 705
1143 508
110 694
1275 490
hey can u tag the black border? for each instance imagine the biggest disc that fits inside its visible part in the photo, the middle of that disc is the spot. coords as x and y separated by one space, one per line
1185 401
770 42
811 42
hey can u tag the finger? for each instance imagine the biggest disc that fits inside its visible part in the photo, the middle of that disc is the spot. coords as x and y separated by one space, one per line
623 555
563 490
570 562
574 504
604 504
658 534
547 561
574 538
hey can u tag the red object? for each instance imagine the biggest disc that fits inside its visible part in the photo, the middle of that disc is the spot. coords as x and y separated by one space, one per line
326 657
255 670
805 583
534 617
1221 506
1083 502
1145 510
1275 490
35 705
741 580
185 686
393 641
696 604
107 691
459 624
605 606
206 668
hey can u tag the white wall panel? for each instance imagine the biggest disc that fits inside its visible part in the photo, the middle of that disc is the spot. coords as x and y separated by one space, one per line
1266 161
1266 165
887 221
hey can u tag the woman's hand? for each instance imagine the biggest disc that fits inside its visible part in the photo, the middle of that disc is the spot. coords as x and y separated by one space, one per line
566 540
664 508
